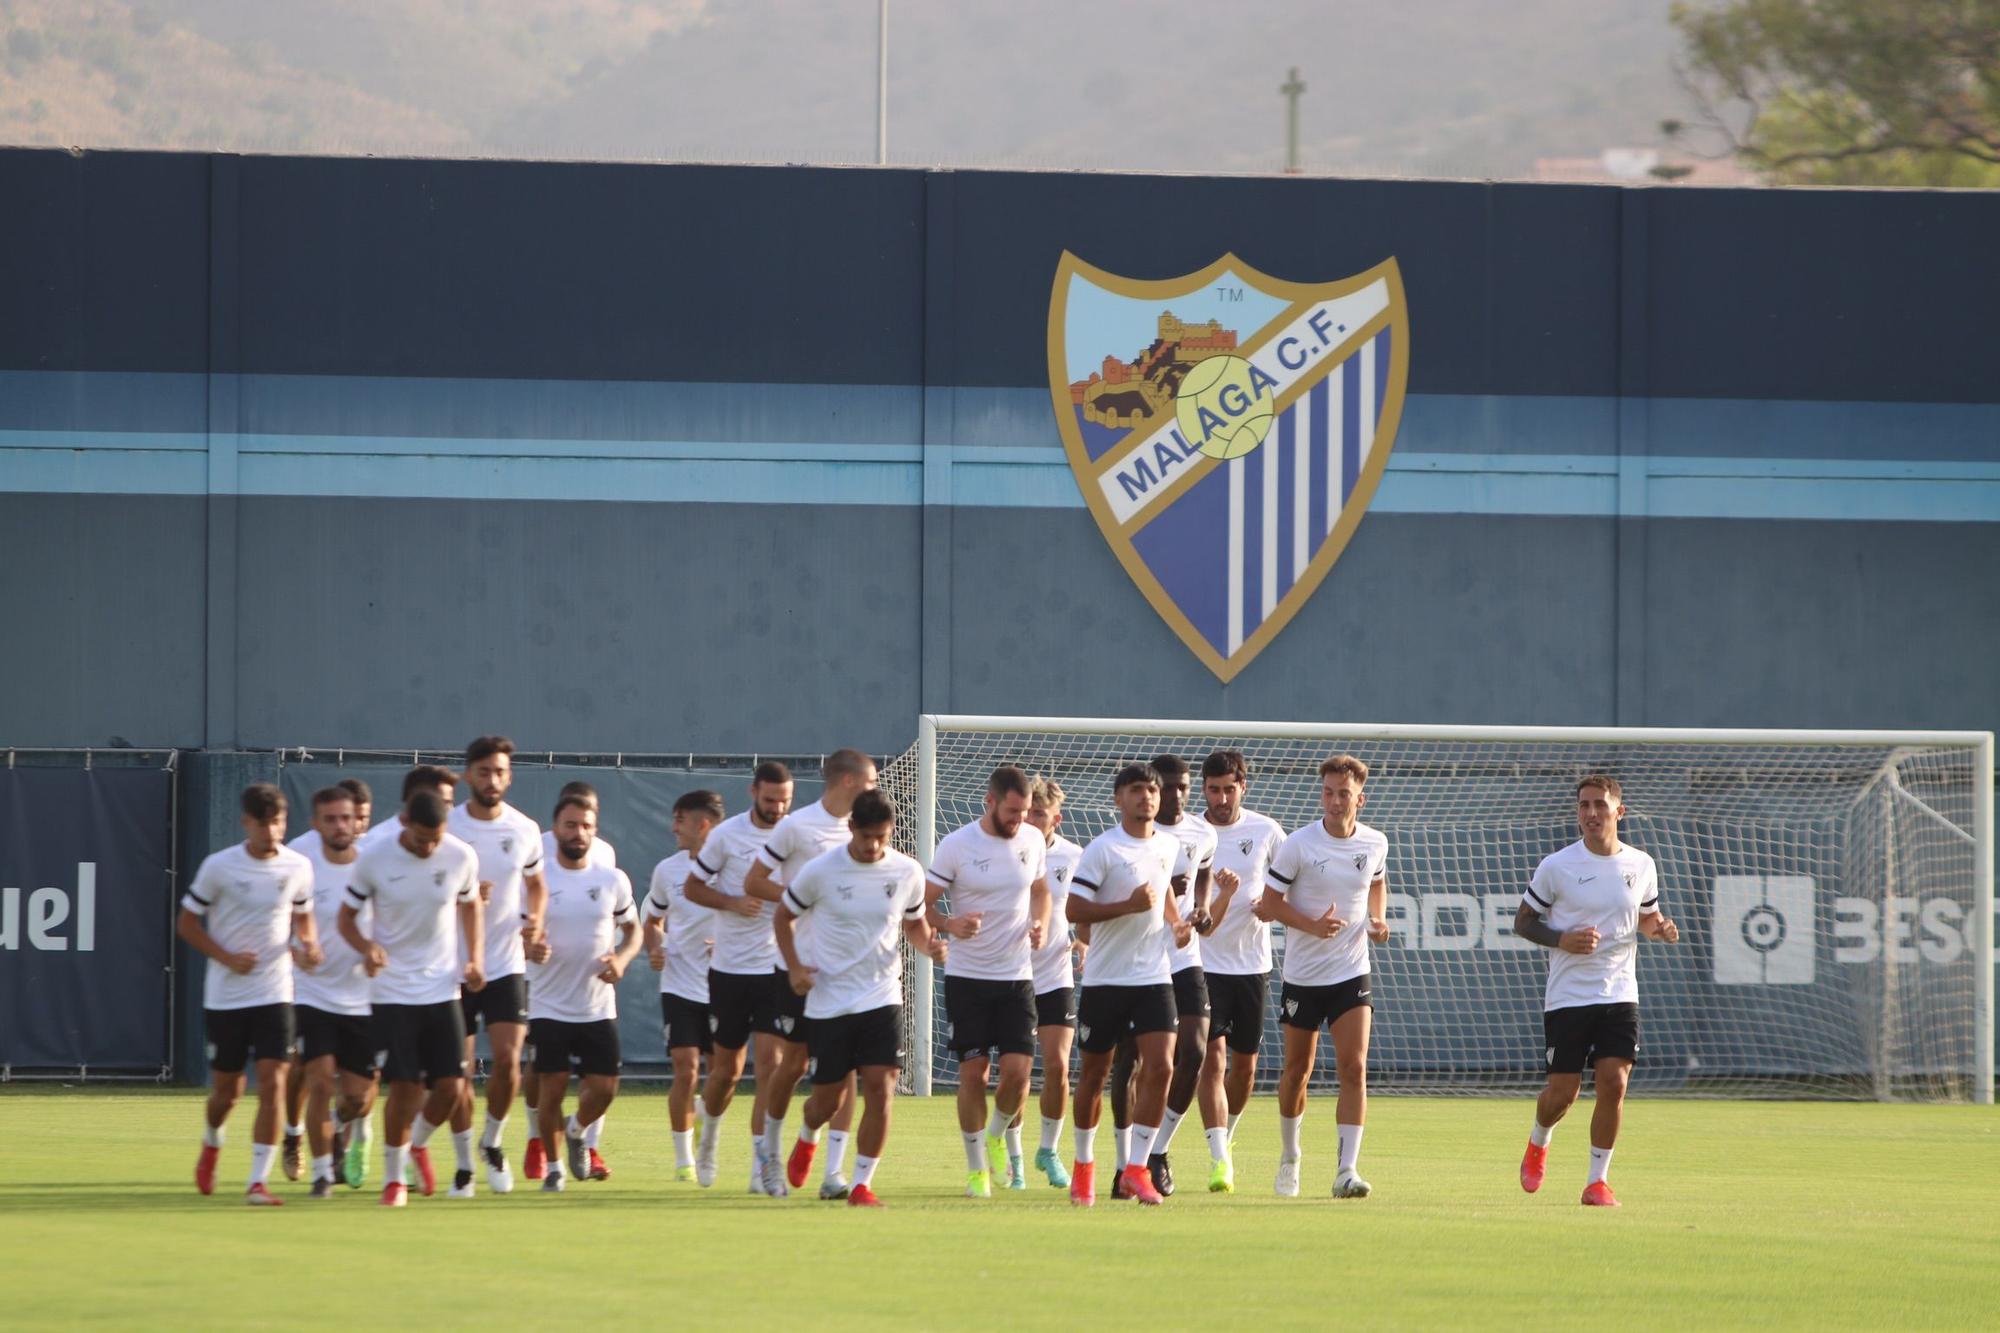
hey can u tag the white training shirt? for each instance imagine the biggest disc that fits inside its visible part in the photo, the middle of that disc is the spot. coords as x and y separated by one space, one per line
416 901
247 904
601 852
339 985
1198 836
996 878
309 842
1130 950
690 930
586 908
1055 966
1575 888
800 836
857 910
1315 871
744 945
1240 945
381 831
509 847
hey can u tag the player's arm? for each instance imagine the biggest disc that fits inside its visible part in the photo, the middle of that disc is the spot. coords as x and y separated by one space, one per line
1378 909
957 927
655 934
1276 907
1230 882
194 929
761 883
348 923
800 975
628 944
1086 911
917 930
1531 925
305 932
1653 923
472 925
1199 903
1181 927
1039 907
534 909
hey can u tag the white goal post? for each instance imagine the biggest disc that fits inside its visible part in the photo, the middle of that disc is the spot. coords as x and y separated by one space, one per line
1834 889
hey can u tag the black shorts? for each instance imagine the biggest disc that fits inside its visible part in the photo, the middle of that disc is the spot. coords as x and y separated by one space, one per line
788 1008
1315 1007
500 1000
420 1042
576 1048
1191 993
267 1029
847 1042
740 1003
1585 1033
348 1038
1236 1009
1105 1014
1056 1008
989 1015
684 1023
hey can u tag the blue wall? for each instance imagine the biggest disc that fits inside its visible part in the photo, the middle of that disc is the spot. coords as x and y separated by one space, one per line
644 458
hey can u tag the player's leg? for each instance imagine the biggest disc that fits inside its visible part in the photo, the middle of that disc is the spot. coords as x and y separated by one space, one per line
503 1080
1149 1106
550 1086
792 1057
322 1081
1097 1038
730 1019
1566 1043
441 1052
598 1060
471 1008
876 1085
1300 1025
1614 1041
228 1033
1054 1040
1350 1032
272 1036
1190 1049
972 1071
1123 1068
354 1111
1011 1094
395 1035
295 1117
767 1055
834 1184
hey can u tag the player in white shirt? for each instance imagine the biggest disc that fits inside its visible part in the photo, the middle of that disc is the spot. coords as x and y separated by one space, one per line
1055 985
1320 883
1123 889
423 887
307 844
249 912
602 853
993 872
801 835
509 846
864 900
679 938
593 935
424 777
336 1048
743 1003
1590 904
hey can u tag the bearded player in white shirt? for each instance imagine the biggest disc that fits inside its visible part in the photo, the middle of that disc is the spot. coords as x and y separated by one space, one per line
1055 986
865 899
308 845
679 939
1589 904
1322 881
602 853
593 935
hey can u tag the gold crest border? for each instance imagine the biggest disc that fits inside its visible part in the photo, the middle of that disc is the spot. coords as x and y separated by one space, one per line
1396 317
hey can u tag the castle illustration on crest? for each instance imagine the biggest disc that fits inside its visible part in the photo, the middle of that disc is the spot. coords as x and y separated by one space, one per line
1125 393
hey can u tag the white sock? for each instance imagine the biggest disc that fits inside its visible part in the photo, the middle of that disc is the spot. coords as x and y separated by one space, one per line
975 1150
836 1153
491 1137
593 1133
367 1128
295 1131
461 1147
1218 1144
757 1153
261 1153
996 1123
420 1133
1541 1134
1600 1164
1169 1122
710 1126
571 1128
1051 1133
392 1164
1086 1144
1288 1137
683 1147
1142 1143
774 1135
1013 1137
1350 1146
1123 1139
323 1167
810 1133
211 1135
864 1170
1232 1125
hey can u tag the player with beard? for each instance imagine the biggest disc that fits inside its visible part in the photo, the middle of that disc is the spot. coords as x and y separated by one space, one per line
307 844
1055 986
602 853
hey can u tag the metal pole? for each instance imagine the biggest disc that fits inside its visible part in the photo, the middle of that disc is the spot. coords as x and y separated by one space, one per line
1982 921
922 994
882 83
1291 89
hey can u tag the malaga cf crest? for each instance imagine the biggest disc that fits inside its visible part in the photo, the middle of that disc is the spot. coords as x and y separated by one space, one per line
1228 430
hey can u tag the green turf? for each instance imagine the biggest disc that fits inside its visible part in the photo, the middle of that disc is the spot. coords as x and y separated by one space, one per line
1736 1214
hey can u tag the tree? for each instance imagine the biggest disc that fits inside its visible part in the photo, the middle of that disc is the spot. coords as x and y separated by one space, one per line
1848 92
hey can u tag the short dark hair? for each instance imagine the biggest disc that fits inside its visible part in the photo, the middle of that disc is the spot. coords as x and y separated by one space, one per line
1226 763
771 771
872 809
1170 767
583 789
845 764
359 790
328 795
485 747
262 800
1603 780
425 809
701 802
580 802
1008 780
1135 775
427 777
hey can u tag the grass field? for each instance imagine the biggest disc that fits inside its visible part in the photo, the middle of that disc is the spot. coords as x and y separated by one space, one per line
1737 1214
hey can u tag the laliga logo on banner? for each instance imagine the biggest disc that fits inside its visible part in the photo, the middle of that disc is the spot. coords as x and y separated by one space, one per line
48 909
1228 430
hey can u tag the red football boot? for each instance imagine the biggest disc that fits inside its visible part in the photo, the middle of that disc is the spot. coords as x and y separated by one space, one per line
1599 1195
204 1169
427 1181
1532 1163
536 1164
800 1164
1139 1184
862 1197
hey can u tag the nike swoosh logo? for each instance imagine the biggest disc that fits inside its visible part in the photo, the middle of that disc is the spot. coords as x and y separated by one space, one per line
397 879
1585 879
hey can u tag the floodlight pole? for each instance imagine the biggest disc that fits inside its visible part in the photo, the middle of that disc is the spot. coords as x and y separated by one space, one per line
882 83
1291 88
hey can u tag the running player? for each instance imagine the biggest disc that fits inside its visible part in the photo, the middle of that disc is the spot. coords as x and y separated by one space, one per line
602 853
336 1052
679 938
1589 904
1055 986
424 777
862 897
249 911
306 844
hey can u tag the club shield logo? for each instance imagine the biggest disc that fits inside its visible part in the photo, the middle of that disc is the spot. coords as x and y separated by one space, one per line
1228 430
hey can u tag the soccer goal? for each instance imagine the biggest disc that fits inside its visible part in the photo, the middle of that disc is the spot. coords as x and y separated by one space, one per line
1834 890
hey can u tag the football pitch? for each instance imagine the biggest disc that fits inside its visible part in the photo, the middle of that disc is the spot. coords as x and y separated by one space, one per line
1736 1214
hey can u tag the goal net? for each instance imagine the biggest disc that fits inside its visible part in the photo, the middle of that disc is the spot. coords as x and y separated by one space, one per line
1833 890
